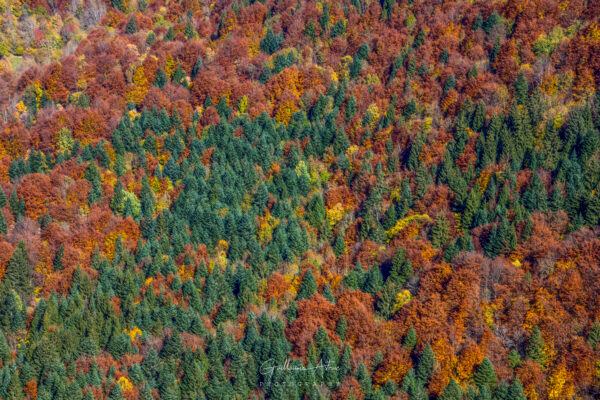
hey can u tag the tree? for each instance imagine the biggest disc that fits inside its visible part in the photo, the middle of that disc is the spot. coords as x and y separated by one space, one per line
401 269
535 348
485 375
18 271
117 202
521 89
308 286
452 391
5 355
339 247
270 43
58 258
594 335
92 175
515 391
119 5
425 365
161 79
440 232
131 26
410 340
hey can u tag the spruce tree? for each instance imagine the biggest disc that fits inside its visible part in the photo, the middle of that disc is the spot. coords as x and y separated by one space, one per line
425 365
521 89
452 391
131 26
535 348
440 232
485 374
308 287
410 340
18 271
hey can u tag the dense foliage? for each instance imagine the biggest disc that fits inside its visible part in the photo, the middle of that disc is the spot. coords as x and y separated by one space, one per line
299 200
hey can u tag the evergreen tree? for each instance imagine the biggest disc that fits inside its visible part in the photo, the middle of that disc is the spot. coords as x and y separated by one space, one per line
270 43
58 258
161 79
425 365
521 88
131 26
515 392
341 327
18 271
535 348
485 374
118 4
308 286
410 340
401 269
452 391
440 232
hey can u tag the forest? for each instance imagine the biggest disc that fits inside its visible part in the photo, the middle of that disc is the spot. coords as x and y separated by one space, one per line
303 200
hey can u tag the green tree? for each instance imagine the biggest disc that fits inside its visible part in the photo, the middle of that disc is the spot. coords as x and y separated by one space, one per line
117 202
485 374
401 269
270 43
410 340
452 391
118 4
535 347
440 232
58 258
521 89
161 79
131 27
18 271
308 287
425 365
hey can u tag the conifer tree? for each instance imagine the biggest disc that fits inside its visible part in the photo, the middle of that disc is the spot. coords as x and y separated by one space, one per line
308 287
535 347
425 365
452 391
440 232
485 374
18 271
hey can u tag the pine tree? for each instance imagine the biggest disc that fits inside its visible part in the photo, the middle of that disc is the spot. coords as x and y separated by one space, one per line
339 247
3 227
161 79
131 26
5 354
58 258
401 269
18 271
515 392
118 200
514 359
341 327
92 175
535 348
308 286
594 335
440 232
452 391
410 340
425 365
270 43
119 5
386 300
485 375
521 88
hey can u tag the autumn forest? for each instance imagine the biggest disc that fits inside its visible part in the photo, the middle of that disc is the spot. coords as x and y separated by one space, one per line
296 199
